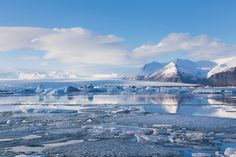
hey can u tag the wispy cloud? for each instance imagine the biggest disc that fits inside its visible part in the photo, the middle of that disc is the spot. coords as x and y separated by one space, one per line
72 45
79 46
30 58
198 47
13 38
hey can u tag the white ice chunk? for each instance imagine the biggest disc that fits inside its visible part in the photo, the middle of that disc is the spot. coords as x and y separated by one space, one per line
201 155
231 152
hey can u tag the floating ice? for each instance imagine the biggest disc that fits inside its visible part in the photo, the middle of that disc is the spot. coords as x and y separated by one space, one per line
23 155
230 152
195 135
30 137
51 145
8 121
201 155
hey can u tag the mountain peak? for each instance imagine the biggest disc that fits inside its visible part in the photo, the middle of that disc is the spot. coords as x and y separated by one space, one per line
170 69
179 70
151 68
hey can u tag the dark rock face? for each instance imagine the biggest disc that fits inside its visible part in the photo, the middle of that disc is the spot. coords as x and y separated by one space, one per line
224 78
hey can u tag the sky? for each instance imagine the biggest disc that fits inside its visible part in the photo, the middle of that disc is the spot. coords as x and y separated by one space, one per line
93 37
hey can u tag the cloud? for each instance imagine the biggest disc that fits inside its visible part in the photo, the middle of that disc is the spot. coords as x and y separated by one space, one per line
30 58
72 45
198 47
83 49
80 46
13 38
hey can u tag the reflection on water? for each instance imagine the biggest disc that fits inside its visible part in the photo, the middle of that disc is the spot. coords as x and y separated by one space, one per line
200 105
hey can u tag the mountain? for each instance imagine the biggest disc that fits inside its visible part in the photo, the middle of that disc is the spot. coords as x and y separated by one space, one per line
171 73
179 70
30 76
148 69
217 72
224 73
151 67
56 75
62 75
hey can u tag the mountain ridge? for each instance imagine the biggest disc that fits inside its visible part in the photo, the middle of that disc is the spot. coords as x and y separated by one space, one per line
20 75
219 72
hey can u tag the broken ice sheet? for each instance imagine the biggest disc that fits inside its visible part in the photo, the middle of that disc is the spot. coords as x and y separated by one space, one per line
147 123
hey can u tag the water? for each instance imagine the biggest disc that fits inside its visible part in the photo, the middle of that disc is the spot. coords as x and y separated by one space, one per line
184 104
159 124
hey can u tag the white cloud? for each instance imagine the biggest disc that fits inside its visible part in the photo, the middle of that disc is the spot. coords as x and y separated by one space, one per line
77 45
85 50
72 45
13 38
198 47
29 58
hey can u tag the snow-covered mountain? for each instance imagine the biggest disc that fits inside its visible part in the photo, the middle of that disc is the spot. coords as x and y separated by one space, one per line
224 73
30 76
223 65
180 70
62 75
148 69
151 67
56 75
171 73
217 72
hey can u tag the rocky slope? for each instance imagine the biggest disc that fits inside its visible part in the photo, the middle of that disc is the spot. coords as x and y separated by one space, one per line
224 73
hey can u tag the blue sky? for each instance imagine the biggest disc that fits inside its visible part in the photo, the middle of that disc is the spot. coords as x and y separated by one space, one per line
136 27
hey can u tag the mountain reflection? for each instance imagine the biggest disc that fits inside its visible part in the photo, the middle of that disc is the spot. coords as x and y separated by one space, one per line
182 104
